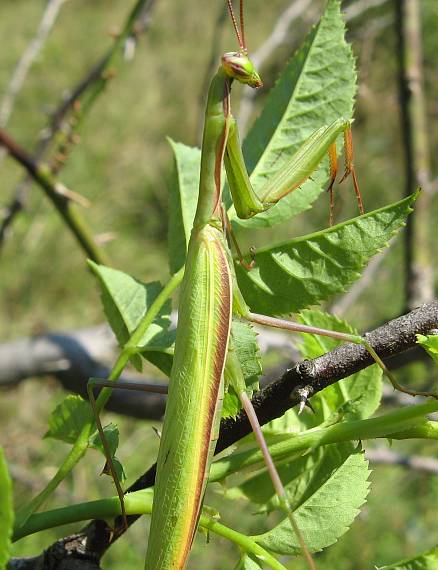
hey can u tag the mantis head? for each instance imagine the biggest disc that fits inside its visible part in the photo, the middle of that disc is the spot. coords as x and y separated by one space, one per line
237 65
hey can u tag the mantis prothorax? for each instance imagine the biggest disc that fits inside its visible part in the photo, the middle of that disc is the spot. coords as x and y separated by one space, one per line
204 348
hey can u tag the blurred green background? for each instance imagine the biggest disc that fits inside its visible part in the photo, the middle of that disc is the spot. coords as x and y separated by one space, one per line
123 165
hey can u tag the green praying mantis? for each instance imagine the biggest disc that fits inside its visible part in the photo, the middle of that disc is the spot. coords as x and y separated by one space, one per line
204 348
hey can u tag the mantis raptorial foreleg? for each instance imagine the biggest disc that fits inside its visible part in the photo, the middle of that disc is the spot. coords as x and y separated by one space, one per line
297 170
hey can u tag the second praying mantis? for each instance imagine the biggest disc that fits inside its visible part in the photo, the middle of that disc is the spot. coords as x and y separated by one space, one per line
205 351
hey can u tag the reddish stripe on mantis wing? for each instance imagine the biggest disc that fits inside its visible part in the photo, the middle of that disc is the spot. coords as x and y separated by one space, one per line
192 413
211 431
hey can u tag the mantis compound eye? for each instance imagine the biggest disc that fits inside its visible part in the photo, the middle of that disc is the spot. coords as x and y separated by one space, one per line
238 66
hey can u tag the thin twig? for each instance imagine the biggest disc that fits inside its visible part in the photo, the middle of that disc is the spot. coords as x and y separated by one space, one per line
28 57
68 120
82 99
58 195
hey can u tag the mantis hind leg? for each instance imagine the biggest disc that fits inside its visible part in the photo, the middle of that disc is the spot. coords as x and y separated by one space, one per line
110 467
349 170
333 165
234 375
344 337
349 167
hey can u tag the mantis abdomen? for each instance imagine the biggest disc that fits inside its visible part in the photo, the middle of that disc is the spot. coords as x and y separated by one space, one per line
195 399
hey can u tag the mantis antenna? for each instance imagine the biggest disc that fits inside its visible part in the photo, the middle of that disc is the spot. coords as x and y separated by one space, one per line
240 34
242 26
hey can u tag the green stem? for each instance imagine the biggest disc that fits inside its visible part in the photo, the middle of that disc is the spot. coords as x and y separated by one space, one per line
83 97
137 503
80 446
131 347
76 453
405 423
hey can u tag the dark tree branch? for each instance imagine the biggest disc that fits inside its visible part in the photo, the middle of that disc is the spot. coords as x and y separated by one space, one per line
393 338
73 358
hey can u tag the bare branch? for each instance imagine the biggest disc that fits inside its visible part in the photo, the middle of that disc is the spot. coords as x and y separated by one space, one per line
388 340
72 358
29 55
57 194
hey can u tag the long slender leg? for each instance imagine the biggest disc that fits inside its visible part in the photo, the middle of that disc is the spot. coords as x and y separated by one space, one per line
102 383
232 236
356 339
234 377
349 167
273 474
333 164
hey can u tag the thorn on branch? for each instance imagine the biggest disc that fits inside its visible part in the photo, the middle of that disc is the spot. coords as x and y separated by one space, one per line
303 394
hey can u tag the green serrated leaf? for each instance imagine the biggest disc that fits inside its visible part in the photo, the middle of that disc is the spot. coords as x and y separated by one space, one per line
327 509
248 354
306 270
183 199
6 512
126 301
159 350
317 87
68 418
425 561
430 345
111 432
